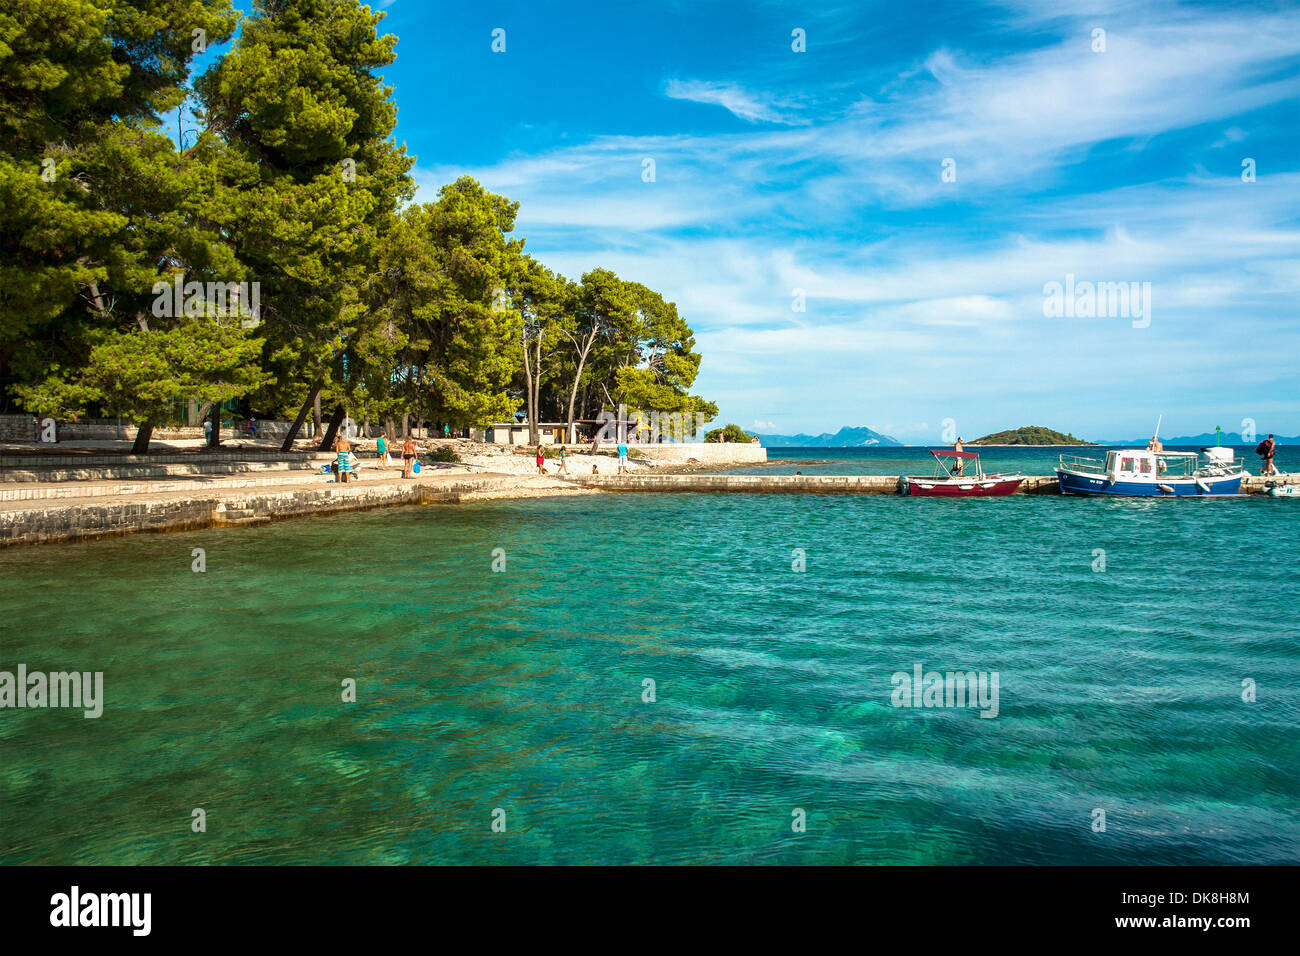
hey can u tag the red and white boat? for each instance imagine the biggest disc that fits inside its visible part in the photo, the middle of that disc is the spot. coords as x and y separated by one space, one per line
962 478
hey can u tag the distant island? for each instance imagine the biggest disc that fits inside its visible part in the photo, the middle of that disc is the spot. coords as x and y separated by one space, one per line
846 437
1029 435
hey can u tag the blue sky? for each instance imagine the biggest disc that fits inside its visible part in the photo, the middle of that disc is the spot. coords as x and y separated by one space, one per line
821 171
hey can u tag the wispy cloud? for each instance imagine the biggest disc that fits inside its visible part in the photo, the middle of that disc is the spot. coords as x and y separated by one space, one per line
1114 166
746 104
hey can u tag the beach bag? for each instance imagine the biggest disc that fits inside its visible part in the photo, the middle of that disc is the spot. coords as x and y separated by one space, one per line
415 469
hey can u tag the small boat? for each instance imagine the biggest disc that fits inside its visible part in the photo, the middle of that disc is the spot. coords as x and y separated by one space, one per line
960 480
1143 473
1282 491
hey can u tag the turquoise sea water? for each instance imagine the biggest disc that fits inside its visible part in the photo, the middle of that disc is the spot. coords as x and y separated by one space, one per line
1119 690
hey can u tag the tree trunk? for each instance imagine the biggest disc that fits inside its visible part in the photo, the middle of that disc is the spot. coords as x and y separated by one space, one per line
214 440
529 378
312 399
537 385
315 412
406 425
142 435
327 440
577 376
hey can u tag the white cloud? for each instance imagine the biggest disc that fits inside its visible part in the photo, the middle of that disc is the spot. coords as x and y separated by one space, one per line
903 307
747 105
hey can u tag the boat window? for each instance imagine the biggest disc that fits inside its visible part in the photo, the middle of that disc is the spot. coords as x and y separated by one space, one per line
1126 464
1146 466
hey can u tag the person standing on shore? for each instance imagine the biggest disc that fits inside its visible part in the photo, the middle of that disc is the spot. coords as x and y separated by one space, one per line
381 449
622 458
541 461
343 448
408 457
1267 448
564 467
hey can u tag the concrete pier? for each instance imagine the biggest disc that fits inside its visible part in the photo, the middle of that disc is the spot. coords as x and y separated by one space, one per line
775 484
815 484
54 500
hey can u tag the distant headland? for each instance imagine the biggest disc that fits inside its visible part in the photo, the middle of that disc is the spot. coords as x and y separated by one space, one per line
1030 435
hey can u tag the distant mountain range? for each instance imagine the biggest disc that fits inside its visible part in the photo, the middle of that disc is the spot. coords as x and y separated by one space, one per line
862 437
844 438
1208 438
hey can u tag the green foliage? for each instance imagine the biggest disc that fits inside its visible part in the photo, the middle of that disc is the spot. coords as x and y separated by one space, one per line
732 433
296 184
438 280
445 453
306 179
142 374
87 186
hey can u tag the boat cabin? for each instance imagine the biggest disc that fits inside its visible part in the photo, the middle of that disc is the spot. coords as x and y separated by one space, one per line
1133 464
1129 464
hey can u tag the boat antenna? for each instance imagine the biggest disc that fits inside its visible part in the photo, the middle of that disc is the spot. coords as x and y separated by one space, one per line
1158 421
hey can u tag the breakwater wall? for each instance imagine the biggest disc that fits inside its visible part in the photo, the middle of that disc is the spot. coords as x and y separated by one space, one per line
52 521
775 484
816 484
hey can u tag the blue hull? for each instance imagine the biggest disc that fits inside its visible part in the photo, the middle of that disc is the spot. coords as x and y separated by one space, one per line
1072 484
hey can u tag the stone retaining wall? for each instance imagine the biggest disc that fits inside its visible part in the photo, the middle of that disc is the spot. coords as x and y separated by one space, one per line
710 453
178 512
21 428
17 428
